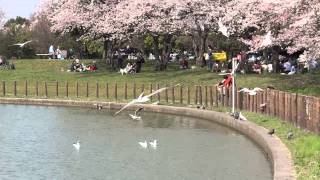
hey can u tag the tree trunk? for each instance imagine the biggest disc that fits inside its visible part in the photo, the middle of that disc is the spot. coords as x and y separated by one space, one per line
195 44
108 53
166 51
200 45
156 52
275 59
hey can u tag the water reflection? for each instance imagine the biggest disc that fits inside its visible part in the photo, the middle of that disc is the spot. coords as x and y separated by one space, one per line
36 143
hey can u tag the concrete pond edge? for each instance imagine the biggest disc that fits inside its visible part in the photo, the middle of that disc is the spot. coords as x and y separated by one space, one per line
277 152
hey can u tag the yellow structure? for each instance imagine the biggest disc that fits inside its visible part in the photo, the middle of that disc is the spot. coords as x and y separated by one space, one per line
219 56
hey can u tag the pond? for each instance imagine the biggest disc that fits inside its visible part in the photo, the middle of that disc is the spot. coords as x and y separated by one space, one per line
37 143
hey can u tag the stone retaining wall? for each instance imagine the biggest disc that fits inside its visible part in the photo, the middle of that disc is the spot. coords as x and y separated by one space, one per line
280 156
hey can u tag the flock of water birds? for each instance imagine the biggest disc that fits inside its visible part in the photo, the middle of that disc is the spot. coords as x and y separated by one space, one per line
136 116
143 99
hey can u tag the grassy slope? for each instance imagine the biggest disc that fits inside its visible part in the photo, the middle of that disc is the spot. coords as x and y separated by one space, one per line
50 70
305 147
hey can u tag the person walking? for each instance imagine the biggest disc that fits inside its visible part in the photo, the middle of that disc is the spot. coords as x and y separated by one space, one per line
51 52
140 61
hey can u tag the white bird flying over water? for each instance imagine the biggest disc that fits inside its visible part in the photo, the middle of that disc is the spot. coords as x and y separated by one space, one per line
134 101
21 44
143 99
153 144
223 29
252 92
144 144
135 116
77 145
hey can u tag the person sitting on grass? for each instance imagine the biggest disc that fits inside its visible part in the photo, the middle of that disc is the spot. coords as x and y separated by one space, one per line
78 67
257 68
92 67
184 63
133 69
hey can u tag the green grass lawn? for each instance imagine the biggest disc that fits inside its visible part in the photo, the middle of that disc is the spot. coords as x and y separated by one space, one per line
53 70
304 146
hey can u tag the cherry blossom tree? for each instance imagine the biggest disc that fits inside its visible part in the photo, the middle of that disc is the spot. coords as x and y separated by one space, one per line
86 18
255 22
302 31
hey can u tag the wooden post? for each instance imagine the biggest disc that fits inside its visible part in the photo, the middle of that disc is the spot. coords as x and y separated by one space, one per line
211 96
57 89
15 88
282 105
188 95
151 98
225 97
142 88
254 108
3 88
134 91
77 89
116 91
287 107
167 96
239 100
196 95
248 101
294 109
97 90
87 89
45 89
200 94
230 97
317 118
37 88
301 111
217 96
67 89
26 88
308 109
158 87
314 115
173 96
125 91
206 96
107 90
181 95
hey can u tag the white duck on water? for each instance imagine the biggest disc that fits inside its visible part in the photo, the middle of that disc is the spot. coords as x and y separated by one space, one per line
77 145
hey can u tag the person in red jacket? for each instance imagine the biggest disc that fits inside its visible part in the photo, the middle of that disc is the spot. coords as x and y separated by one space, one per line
224 85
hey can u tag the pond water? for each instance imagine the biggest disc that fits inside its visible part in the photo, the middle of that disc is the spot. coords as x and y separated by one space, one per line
36 143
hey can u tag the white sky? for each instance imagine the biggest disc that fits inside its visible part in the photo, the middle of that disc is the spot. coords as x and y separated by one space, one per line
23 8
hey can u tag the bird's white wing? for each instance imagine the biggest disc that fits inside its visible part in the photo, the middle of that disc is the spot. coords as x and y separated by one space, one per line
17 44
127 105
160 90
244 90
157 91
140 96
27 42
257 89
